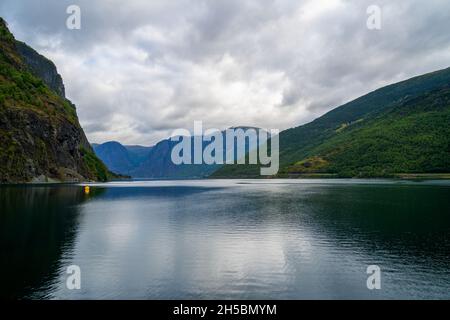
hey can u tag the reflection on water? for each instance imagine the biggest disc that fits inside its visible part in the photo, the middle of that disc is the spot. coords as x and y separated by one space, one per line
227 239
36 226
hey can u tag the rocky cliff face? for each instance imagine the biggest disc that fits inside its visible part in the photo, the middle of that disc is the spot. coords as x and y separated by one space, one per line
42 68
41 138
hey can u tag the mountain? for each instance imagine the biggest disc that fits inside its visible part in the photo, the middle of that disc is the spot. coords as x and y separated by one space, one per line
119 158
156 162
159 165
138 153
114 156
148 162
401 128
41 138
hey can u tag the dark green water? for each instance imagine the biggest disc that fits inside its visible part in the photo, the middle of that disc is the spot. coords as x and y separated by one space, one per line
227 239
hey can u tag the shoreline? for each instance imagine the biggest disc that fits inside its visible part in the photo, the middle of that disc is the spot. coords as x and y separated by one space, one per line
399 176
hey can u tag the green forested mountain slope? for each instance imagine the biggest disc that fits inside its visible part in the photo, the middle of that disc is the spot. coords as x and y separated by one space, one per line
413 137
401 128
41 138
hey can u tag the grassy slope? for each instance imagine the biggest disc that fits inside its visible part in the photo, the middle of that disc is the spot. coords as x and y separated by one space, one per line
370 136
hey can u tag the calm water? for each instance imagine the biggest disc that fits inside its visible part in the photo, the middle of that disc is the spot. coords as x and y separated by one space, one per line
227 239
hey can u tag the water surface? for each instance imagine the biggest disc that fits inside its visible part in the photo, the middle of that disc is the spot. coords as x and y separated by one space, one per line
219 239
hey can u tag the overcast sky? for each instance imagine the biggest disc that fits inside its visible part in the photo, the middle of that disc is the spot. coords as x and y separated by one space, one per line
139 69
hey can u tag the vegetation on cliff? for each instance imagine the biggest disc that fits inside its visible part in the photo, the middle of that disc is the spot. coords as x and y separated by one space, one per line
41 138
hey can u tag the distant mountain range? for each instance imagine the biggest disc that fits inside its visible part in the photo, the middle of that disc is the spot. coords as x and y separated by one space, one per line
155 162
121 159
158 164
148 162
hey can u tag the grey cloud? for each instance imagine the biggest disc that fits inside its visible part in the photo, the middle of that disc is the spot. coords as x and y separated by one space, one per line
139 69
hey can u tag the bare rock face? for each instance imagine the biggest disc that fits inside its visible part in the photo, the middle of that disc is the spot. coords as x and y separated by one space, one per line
41 67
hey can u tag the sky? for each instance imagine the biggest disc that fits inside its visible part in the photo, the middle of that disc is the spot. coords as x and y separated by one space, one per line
139 69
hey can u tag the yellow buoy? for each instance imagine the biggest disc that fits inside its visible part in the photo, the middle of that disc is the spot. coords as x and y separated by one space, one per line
87 189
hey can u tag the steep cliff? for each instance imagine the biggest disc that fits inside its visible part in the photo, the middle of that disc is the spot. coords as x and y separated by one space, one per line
42 68
41 138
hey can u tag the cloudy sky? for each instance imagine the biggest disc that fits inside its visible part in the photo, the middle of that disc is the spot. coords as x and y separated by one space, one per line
139 69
